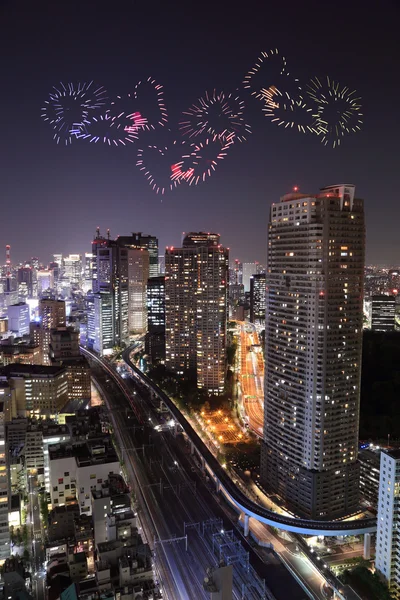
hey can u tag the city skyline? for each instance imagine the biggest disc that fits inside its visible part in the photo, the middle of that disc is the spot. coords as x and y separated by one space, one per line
106 190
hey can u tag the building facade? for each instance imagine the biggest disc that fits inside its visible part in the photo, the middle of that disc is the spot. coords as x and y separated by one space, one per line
196 283
257 298
155 337
18 318
383 313
138 275
314 312
387 549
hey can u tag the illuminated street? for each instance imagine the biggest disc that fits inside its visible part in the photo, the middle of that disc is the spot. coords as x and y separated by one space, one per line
250 363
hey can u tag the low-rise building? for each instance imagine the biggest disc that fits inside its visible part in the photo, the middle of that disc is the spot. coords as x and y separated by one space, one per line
78 468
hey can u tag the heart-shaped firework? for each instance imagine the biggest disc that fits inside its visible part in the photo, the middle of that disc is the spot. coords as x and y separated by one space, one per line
143 108
204 161
166 166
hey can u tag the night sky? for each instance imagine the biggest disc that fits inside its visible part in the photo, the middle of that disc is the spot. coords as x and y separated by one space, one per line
53 197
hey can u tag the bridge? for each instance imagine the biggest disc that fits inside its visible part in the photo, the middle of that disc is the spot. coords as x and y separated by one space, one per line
224 484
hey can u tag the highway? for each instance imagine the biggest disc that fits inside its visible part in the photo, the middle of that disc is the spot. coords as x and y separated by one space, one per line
175 502
239 498
251 376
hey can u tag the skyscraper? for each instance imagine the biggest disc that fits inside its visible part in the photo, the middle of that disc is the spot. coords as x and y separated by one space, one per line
257 298
383 313
110 290
249 269
196 309
148 242
138 276
73 270
155 337
52 315
18 318
314 295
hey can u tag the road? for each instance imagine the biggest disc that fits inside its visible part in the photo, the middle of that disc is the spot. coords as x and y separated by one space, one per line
37 549
177 499
251 376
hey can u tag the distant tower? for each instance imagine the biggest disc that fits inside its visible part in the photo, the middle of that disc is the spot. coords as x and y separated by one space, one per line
8 260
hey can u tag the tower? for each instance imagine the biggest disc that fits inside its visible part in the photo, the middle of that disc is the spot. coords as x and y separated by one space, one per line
313 328
196 281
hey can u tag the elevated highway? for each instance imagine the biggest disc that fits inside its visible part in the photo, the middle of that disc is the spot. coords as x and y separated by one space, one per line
224 484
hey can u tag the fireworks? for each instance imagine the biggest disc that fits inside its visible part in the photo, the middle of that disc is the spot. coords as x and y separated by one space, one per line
70 106
265 73
108 130
166 166
338 111
217 115
207 154
143 108
285 111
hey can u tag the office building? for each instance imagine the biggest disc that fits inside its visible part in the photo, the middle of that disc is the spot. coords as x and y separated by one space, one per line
196 282
138 275
387 550
25 277
155 337
383 313
110 292
147 242
313 331
248 270
64 351
18 319
36 391
5 549
45 281
257 298
87 272
51 315
73 270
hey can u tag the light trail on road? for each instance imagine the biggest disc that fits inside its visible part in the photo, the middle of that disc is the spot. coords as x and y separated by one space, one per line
251 376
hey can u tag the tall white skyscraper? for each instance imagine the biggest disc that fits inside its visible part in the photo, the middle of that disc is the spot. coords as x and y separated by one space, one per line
313 327
387 550
196 283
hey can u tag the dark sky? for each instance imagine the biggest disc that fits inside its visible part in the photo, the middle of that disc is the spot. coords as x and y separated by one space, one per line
53 197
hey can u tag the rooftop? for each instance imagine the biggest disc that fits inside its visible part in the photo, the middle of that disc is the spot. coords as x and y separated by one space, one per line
18 370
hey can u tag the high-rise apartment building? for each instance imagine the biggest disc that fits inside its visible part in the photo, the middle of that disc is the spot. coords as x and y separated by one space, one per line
383 313
138 275
313 330
88 272
45 281
196 282
64 351
387 549
257 298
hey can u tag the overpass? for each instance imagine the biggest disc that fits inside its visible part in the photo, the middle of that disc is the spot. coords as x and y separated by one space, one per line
224 484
